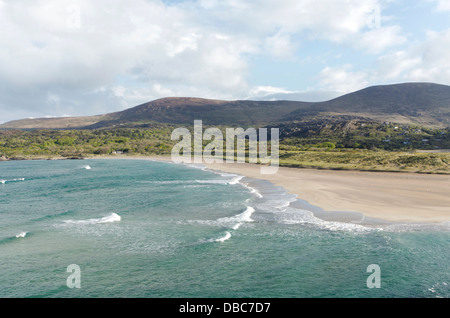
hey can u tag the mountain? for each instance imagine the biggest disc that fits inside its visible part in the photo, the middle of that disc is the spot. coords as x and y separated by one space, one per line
212 112
421 103
424 103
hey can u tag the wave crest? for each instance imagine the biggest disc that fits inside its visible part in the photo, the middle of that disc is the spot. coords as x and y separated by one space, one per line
21 234
113 217
2 181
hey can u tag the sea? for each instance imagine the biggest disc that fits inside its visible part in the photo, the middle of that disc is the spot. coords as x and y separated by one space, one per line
125 228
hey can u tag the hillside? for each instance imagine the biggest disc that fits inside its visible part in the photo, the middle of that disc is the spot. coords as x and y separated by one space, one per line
212 112
410 103
421 103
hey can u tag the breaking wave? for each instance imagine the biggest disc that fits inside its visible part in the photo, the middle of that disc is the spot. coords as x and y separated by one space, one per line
2 181
21 234
113 217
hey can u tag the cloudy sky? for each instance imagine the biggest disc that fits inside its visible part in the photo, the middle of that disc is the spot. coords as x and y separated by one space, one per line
87 57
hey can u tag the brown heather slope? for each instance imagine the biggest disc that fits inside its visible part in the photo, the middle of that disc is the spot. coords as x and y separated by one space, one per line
53 123
414 103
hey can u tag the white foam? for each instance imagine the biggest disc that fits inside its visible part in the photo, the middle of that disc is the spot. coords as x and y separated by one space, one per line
196 166
224 238
225 174
212 181
299 216
21 234
165 181
87 167
253 191
237 220
232 222
281 203
113 217
234 180
12 180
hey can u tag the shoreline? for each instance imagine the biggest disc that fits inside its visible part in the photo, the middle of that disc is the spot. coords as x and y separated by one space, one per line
346 195
378 196
381 197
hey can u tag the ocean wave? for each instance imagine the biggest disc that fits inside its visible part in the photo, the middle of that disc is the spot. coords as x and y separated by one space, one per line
224 238
275 203
165 181
212 181
196 166
2 181
231 222
13 238
21 234
232 181
237 220
220 239
300 216
113 217
253 191
235 180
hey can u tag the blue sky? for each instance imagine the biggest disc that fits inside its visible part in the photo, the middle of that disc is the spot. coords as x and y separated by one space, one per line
81 57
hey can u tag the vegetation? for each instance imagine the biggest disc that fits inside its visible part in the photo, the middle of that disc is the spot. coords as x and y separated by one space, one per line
363 134
340 144
369 160
80 143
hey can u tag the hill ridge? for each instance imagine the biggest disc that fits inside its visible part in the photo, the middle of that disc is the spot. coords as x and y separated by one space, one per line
419 102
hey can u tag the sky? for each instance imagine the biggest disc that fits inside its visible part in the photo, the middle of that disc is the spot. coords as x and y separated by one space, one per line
88 57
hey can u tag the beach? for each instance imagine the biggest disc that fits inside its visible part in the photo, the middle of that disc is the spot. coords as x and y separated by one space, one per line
396 197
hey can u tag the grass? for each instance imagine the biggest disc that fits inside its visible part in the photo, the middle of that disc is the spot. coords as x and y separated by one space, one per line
367 160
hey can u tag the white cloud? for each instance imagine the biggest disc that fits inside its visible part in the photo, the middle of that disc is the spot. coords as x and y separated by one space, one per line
343 79
377 40
86 47
394 65
105 55
276 21
281 46
263 91
421 62
442 5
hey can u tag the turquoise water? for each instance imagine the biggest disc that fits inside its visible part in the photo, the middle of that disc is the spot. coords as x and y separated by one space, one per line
151 229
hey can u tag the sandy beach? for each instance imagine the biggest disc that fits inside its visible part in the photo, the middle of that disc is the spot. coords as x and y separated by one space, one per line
389 196
397 197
